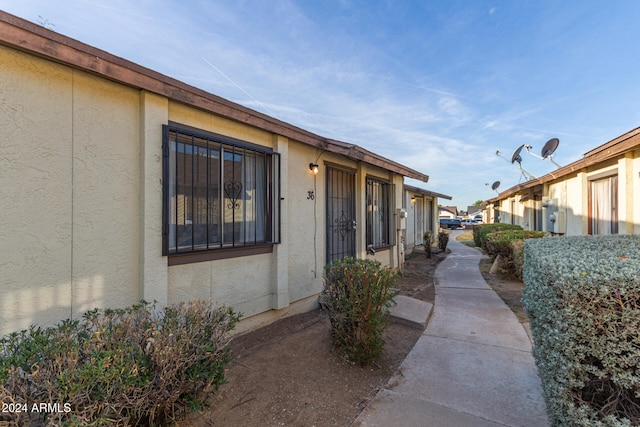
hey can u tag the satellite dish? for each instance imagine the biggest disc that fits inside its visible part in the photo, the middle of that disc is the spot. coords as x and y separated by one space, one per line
549 147
547 150
494 186
515 157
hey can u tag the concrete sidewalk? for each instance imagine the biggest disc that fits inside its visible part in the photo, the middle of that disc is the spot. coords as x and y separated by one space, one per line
471 367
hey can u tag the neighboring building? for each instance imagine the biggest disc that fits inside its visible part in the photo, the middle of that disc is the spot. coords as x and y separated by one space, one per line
598 194
474 210
120 184
448 212
422 215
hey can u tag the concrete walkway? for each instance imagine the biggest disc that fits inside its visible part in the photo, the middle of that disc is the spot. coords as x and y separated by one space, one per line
471 367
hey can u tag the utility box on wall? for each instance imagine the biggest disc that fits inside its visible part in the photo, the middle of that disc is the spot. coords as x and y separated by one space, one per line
556 219
559 225
551 206
401 215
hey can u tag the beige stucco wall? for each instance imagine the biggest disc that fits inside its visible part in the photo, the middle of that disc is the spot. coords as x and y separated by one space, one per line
634 189
412 236
570 196
307 220
81 179
69 179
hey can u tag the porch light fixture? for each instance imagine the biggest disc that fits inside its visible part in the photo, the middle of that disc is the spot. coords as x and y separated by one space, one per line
313 167
413 199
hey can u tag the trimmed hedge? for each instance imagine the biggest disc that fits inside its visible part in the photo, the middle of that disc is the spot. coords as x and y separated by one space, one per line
508 246
480 232
582 296
499 242
132 366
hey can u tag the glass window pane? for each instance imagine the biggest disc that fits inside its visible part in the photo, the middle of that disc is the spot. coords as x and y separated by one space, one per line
184 191
233 201
217 194
214 198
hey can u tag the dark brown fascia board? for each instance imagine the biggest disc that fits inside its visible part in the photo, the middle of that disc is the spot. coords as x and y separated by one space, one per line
426 192
358 153
619 144
616 147
37 40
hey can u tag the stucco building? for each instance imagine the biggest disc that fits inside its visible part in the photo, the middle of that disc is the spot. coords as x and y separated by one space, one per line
598 194
422 215
119 184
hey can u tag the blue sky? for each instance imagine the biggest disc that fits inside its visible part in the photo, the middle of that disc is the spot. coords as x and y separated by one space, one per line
436 85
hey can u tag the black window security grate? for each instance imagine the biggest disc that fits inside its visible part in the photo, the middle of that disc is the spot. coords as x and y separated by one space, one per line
217 193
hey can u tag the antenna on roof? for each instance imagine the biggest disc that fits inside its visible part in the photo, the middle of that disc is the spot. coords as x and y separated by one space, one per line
515 158
547 150
494 186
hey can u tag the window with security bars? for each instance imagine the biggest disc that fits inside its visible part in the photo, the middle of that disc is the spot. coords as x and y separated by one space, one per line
378 214
218 193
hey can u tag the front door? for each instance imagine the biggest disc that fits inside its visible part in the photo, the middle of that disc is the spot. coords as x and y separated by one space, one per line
341 214
419 221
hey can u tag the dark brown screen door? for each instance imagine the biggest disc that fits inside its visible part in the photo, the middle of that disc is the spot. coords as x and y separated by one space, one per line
341 214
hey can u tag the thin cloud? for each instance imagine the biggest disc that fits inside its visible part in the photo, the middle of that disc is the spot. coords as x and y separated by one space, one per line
433 86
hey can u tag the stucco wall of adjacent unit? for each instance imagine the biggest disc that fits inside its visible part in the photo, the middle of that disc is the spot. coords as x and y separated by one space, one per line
628 187
634 189
69 177
410 236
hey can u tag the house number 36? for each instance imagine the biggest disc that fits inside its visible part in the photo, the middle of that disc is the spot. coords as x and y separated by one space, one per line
310 195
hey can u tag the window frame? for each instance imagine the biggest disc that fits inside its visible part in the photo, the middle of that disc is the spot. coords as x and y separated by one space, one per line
270 186
388 234
614 182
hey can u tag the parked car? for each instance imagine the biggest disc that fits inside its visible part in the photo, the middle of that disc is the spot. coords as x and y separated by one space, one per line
450 223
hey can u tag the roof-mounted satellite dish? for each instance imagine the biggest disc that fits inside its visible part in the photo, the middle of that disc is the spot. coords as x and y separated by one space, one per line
515 158
550 147
547 150
494 186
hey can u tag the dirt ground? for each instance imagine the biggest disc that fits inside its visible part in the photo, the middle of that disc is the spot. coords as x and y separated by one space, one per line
289 374
509 290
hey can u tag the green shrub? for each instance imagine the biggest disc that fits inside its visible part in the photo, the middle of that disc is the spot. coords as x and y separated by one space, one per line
485 229
130 366
582 296
476 234
357 294
428 239
443 240
499 242
507 249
